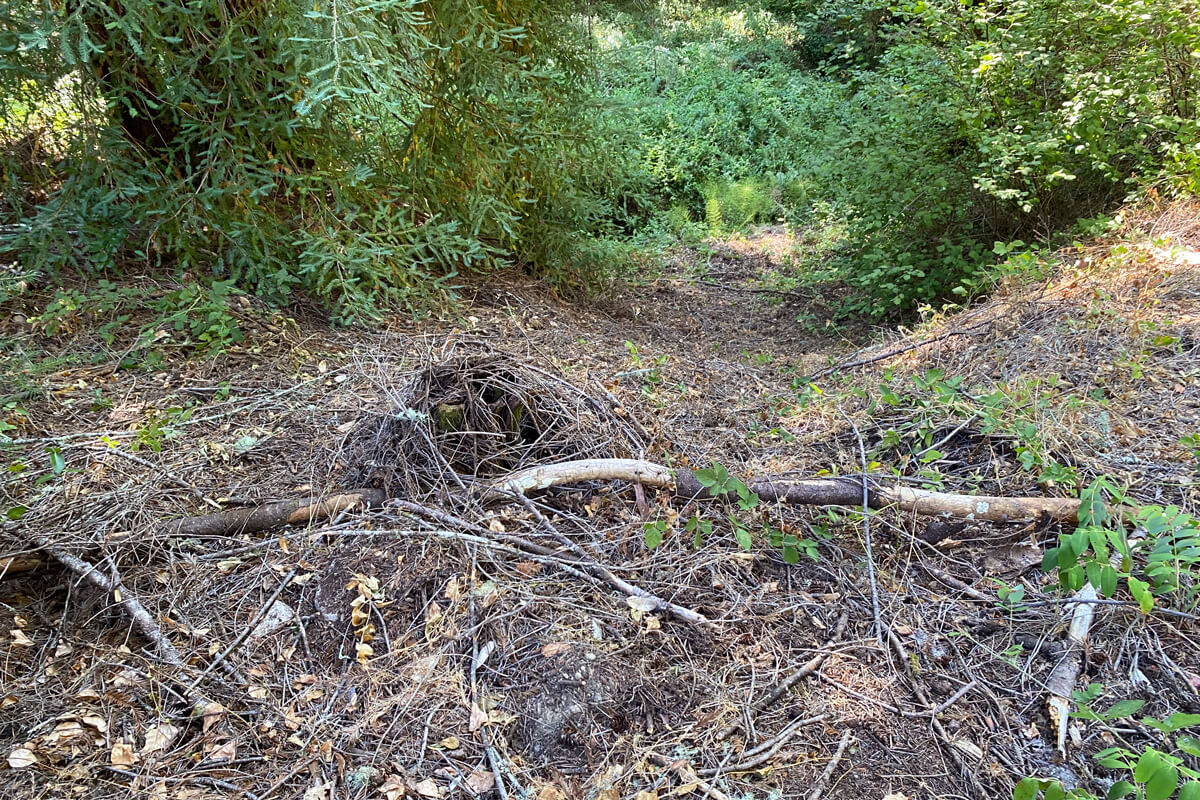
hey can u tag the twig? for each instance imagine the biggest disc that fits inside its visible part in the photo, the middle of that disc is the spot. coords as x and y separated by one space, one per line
866 508
823 781
808 668
767 750
681 768
586 566
899 350
296 770
947 437
125 599
944 705
934 722
248 629
177 481
955 583
216 783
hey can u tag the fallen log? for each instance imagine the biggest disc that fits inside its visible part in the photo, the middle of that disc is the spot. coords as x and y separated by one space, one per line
815 491
273 515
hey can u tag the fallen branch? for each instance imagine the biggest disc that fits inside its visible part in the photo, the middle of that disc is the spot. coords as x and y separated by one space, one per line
823 781
815 492
1061 683
597 469
137 613
274 515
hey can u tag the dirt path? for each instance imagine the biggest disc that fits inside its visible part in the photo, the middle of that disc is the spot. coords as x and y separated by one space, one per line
416 639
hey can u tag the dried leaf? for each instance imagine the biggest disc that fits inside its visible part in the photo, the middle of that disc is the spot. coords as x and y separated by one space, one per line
427 788
22 758
555 648
225 752
480 782
213 713
160 737
64 732
19 638
95 721
550 792
394 788
528 568
449 743
643 604
122 755
479 718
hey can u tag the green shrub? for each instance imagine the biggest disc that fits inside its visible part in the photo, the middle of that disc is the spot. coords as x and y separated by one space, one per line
735 205
362 153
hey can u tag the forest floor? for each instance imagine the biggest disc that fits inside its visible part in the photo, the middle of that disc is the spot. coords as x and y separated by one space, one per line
457 644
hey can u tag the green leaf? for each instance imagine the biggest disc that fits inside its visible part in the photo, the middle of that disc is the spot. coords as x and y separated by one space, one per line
1054 791
16 512
791 555
1050 559
1124 708
1026 789
1148 764
743 537
1179 721
1141 592
1120 789
1114 758
58 464
1162 783
1091 506
1190 791
654 532
1108 581
1188 744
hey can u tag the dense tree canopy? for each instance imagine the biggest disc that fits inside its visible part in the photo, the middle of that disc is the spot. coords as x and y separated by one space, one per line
364 153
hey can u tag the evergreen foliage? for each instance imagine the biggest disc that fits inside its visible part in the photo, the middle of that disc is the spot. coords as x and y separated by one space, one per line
361 151
366 151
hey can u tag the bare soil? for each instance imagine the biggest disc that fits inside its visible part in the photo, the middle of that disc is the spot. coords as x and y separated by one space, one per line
417 655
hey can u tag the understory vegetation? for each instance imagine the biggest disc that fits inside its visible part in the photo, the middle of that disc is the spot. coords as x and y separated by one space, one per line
366 155
304 264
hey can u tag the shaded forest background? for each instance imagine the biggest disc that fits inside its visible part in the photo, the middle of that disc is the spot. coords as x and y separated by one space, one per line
364 154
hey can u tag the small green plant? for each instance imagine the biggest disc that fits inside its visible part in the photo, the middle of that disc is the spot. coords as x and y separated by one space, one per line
649 368
1170 548
159 429
1153 773
1010 597
1192 442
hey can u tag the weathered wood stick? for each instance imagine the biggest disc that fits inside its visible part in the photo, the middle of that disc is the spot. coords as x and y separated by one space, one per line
273 515
815 491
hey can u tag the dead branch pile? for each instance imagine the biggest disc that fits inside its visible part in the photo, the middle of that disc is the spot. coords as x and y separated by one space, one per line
476 414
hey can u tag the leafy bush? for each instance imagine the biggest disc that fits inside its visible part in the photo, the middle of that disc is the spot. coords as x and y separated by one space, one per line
360 152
